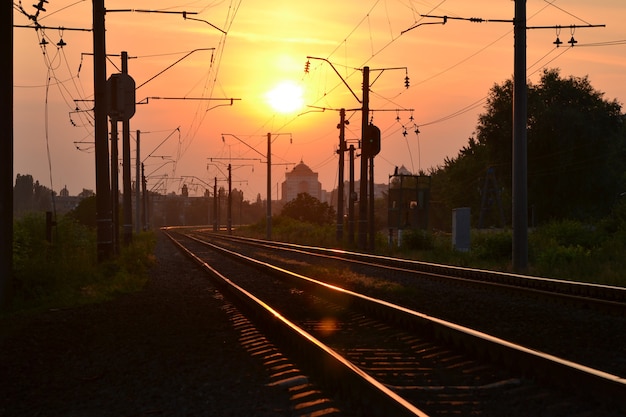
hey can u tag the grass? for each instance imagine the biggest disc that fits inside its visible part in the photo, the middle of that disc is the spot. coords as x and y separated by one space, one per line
65 271
566 249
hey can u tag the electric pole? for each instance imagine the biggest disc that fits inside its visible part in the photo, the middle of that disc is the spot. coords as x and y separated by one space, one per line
268 220
115 187
229 217
520 169
364 160
103 189
127 205
340 185
6 158
351 197
137 186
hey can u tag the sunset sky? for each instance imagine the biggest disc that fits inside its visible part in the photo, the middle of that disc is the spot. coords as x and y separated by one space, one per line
184 140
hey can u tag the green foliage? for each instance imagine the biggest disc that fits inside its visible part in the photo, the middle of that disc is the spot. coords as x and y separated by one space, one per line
307 208
85 211
576 148
65 271
417 240
573 250
287 229
492 245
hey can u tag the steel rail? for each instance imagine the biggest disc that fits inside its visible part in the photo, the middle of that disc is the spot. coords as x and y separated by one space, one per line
572 376
601 296
339 374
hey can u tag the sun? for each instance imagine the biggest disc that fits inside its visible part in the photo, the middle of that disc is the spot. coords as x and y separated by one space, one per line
285 97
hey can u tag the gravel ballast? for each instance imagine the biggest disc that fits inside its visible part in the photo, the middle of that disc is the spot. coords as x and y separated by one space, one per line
168 350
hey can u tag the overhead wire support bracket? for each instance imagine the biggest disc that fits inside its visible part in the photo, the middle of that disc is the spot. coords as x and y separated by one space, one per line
469 19
445 20
337 72
147 99
61 28
481 20
183 13
558 27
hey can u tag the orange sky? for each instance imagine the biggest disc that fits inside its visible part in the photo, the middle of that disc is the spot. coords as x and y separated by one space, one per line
451 69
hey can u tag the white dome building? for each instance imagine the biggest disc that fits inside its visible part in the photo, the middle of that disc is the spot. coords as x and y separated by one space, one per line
301 180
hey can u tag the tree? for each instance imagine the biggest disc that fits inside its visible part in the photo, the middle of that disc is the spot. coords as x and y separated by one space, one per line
85 212
29 195
576 151
307 208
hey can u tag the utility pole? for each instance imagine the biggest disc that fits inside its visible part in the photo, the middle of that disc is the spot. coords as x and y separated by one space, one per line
6 159
115 186
215 225
351 197
364 160
103 190
520 168
127 197
371 218
137 186
229 216
340 185
268 220
144 192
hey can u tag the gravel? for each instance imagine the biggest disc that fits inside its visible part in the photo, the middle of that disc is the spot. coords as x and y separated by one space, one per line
168 350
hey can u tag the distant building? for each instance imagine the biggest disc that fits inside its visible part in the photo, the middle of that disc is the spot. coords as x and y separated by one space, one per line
301 180
64 202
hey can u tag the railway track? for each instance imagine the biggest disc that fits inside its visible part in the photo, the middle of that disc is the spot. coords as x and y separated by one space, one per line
603 297
384 359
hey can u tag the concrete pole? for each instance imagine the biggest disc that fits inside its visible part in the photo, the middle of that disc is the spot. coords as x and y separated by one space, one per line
127 193
229 216
520 169
350 198
372 225
115 187
364 160
340 185
6 159
103 188
215 225
269 188
137 185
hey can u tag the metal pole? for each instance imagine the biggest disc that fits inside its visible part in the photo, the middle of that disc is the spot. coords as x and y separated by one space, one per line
520 181
215 206
103 190
372 226
115 187
6 158
364 160
229 218
269 187
144 185
127 193
137 186
351 198
340 185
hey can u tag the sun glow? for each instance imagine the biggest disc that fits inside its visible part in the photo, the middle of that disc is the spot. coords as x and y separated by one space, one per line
285 97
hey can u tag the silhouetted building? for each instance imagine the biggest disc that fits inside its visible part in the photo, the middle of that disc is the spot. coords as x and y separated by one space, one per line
301 180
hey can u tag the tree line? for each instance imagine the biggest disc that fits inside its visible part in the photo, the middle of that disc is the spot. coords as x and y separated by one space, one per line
576 155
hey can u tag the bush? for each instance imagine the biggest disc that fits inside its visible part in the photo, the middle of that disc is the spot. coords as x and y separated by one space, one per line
417 240
65 272
495 245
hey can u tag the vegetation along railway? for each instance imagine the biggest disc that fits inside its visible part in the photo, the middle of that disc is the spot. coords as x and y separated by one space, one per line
380 337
